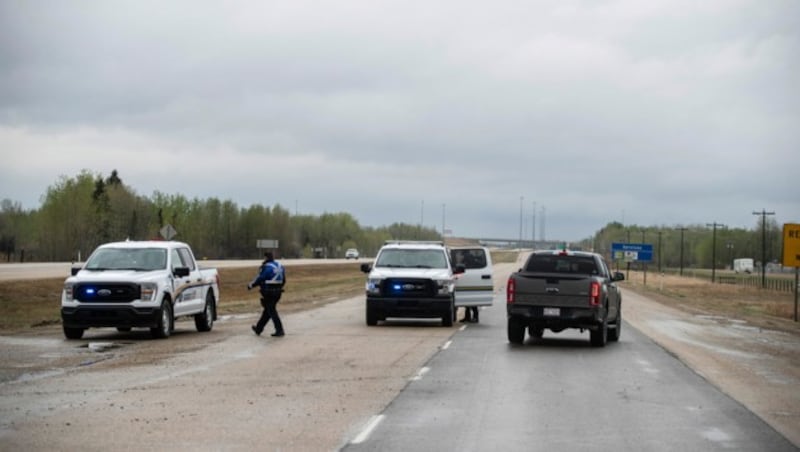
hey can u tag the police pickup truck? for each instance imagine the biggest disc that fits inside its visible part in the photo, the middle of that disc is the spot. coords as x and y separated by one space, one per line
556 290
139 284
411 279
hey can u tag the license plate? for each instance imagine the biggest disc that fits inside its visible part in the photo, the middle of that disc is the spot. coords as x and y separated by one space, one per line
552 312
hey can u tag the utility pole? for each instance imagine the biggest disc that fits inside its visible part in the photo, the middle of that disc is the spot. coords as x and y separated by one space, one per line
682 230
443 211
763 214
533 227
520 222
659 251
542 236
714 225
729 246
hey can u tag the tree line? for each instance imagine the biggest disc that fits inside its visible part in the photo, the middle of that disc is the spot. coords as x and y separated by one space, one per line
79 213
702 246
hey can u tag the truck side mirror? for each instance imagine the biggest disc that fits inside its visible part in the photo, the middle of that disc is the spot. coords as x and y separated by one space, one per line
181 272
75 269
366 268
460 268
618 276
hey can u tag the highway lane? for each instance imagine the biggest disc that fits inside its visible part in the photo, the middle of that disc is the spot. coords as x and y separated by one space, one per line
480 393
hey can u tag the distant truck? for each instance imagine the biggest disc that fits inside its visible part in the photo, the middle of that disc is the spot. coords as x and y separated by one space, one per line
139 284
556 290
743 265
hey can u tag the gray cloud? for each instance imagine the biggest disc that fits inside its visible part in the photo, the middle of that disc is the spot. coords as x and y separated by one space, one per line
673 113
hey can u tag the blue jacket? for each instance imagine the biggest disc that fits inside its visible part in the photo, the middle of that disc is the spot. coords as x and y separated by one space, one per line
270 276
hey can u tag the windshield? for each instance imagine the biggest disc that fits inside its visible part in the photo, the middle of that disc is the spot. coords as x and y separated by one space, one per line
139 259
397 258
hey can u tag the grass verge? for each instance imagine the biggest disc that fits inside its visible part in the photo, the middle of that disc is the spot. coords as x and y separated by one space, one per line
759 307
28 304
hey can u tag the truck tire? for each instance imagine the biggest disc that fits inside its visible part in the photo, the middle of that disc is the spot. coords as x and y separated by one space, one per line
516 331
372 316
164 327
205 320
614 332
599 336
73 333
447 317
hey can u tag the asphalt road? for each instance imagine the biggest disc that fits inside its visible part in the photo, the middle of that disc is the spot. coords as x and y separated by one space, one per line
419 385
559 393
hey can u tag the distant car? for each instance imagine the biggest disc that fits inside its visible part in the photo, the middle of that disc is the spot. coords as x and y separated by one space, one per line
351 253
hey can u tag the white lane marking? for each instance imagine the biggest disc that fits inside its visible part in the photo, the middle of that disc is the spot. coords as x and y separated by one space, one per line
647 367
463 327
373 423
420 373
446 345
717 435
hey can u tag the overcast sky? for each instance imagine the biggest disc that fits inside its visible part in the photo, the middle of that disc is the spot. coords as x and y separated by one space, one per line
465 112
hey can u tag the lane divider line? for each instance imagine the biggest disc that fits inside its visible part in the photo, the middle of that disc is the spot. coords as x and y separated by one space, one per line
364 435
420 373
447 345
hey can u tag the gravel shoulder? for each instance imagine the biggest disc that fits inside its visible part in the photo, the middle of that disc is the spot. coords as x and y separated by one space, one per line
758 367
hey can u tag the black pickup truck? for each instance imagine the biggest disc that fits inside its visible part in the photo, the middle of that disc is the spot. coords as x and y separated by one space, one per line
556 290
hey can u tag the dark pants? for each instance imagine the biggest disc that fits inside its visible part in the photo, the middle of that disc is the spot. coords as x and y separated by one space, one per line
470 314
269 299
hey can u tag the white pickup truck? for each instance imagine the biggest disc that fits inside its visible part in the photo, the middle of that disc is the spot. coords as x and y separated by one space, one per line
139 285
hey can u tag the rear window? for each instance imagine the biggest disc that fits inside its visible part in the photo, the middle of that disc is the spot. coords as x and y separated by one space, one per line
555 263
472 258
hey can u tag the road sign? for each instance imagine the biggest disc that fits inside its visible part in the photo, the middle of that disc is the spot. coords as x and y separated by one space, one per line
791 245
168 232
632 252
267 244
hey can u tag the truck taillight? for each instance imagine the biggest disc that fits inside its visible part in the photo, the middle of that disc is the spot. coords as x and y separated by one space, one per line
594 291
510 290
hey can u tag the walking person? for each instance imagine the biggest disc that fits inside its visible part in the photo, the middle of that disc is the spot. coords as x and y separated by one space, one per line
270 280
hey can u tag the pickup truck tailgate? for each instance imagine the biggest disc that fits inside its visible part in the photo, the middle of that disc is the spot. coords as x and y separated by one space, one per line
556 290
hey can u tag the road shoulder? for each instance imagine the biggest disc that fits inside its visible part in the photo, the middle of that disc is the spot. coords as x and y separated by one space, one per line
758 367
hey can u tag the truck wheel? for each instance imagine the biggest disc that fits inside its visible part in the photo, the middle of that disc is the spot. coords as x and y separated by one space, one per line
599 336
516 331
372 316
447 318
614 332
205 320
164 327
73 333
